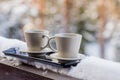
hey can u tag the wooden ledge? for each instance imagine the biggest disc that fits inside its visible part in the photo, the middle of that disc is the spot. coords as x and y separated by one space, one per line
12 73
24 72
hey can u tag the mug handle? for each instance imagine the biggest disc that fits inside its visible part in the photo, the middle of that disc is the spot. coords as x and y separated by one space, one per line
46 43
49 44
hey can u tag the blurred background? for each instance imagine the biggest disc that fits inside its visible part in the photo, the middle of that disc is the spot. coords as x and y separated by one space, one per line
96 20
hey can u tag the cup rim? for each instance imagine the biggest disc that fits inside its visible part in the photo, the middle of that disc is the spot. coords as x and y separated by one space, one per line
36 31
68 35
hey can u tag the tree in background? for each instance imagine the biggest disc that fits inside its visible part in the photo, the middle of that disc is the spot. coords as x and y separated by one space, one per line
67 4
102 23
41 15
86 25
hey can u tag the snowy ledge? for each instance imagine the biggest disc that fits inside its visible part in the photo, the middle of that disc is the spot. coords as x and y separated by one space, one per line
90 68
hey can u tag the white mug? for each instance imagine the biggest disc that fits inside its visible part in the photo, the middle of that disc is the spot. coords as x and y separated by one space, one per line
68 44
36 39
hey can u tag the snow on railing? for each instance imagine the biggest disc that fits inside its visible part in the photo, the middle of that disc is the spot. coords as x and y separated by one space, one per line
90 68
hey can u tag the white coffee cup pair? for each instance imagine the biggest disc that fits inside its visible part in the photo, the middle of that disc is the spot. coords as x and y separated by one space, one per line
67 44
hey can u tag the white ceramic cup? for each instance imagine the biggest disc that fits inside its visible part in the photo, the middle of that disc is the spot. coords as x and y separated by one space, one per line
36 39
68 44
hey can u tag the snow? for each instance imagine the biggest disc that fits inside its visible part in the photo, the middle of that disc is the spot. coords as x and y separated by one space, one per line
6 43
90 68
93 49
